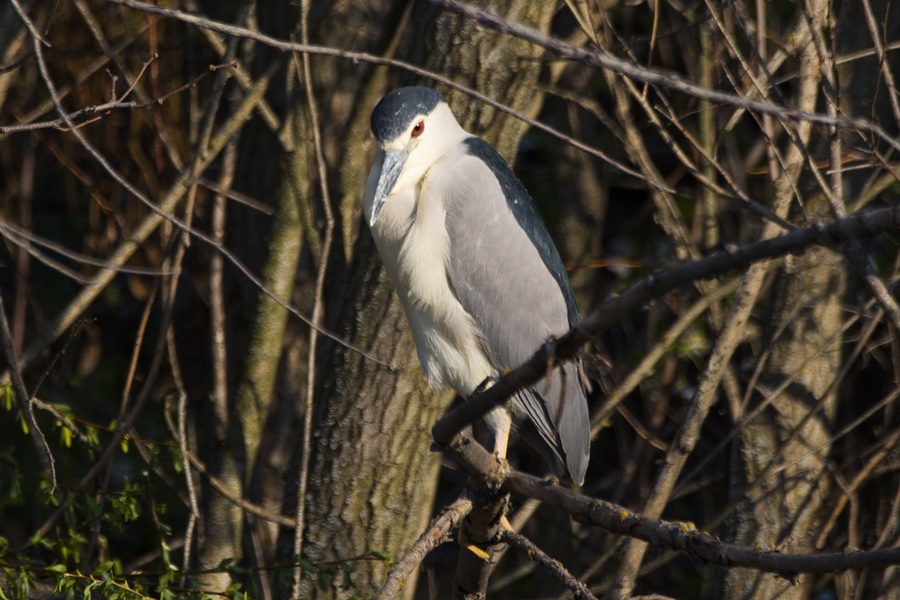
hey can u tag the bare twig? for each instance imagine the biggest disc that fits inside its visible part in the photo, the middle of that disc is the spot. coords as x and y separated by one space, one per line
375 60
883 62
245 505
437 533
557 46
554 567
24 399
887 445
662 79
653 356
183 448
24 238
189 178
688 432
237 197
305 75
97 111
772 395
139 234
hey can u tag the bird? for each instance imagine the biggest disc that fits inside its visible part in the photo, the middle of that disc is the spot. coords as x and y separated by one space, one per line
477 274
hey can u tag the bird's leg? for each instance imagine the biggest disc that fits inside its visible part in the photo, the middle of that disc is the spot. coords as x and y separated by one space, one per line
496 426
492 431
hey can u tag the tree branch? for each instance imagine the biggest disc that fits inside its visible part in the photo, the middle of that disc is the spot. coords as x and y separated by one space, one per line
553 566
669 535
24 399
569 345
436 534
654 77
278 44
92 113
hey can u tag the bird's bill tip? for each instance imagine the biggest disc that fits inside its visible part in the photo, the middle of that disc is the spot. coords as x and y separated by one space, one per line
391 167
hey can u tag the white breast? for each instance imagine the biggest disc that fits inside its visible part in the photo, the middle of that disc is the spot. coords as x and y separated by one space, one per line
413 243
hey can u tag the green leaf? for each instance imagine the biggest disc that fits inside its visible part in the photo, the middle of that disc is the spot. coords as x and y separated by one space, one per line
15 487
233 590
89 588
8 401
324 579
104 567
348 570
65 435
93 435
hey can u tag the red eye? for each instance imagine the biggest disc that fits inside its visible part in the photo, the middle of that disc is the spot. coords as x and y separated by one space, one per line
418 129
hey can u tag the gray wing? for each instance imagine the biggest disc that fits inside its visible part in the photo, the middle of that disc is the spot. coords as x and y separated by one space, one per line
507 274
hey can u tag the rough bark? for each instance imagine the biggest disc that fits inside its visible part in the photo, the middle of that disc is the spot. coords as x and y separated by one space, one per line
806 355
237 427
372 474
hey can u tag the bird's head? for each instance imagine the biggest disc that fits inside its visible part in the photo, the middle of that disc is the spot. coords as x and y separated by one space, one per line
412 126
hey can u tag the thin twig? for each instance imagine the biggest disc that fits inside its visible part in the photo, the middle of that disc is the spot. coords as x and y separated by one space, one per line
97 111
642 74
645 368
244 505
305 75
183 448
45 456
376 60
554 567
23 238
141 232
556 46
861 477
437 533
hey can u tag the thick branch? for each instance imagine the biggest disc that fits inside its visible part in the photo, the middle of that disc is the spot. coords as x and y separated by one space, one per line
569 345
671 535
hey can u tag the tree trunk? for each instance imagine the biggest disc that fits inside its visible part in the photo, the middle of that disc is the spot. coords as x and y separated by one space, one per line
805 359
372 476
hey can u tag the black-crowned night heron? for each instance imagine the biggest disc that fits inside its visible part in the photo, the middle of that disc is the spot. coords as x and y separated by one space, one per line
479 278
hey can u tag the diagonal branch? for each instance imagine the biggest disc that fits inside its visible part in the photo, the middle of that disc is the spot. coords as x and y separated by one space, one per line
569 345
554 567
436 534
24 399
